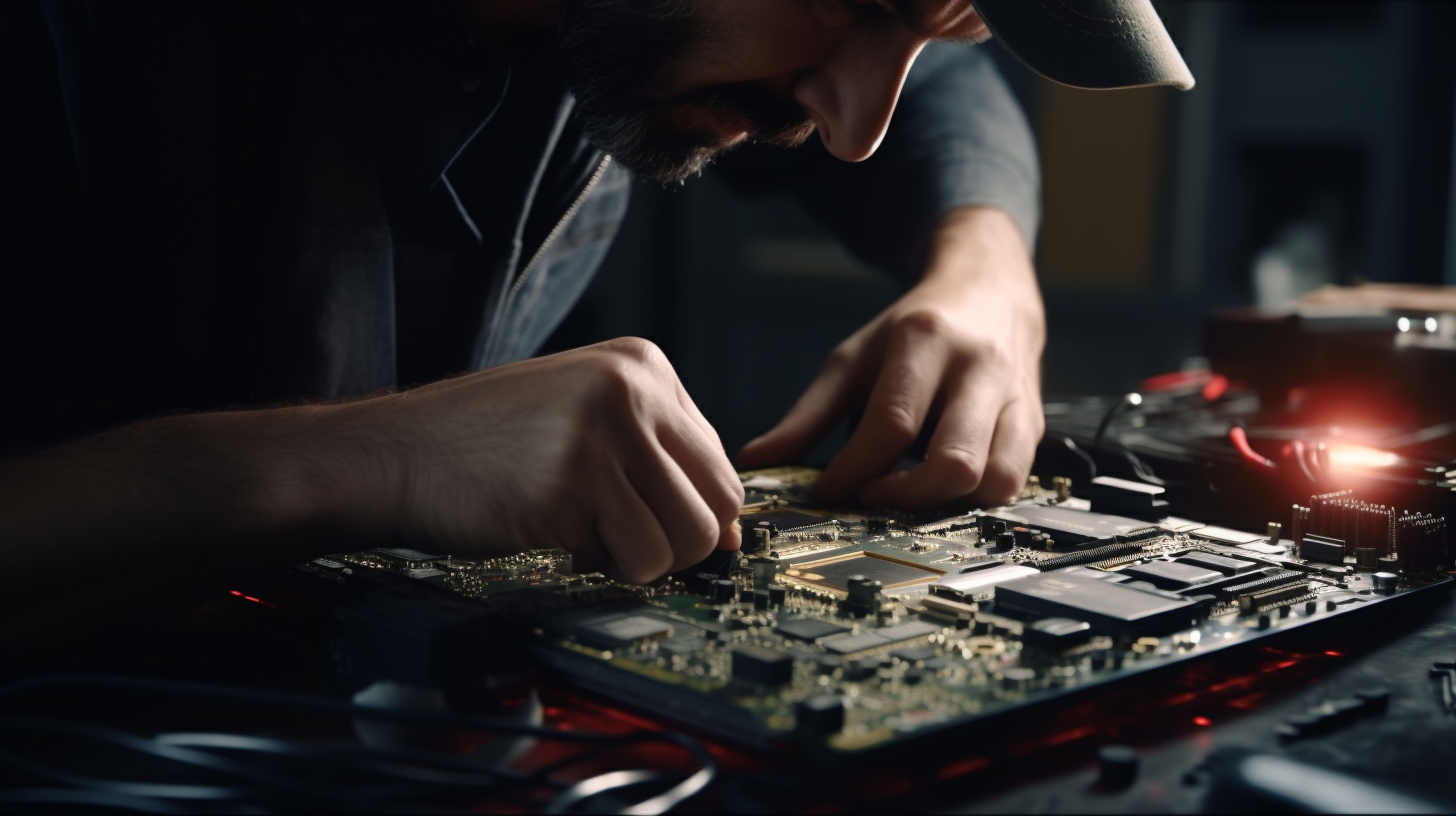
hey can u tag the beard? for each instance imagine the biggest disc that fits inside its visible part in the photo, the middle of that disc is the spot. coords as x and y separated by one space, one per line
619 58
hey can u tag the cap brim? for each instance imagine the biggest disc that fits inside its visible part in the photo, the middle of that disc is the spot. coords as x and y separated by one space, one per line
1102 44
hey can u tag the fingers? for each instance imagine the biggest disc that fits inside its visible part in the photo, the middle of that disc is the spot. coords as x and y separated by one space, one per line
957 453
1018 430
967 458
910 377
696 449
636 547
813 416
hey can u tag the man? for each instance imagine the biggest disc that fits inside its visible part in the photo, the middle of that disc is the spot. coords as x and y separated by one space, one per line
220 205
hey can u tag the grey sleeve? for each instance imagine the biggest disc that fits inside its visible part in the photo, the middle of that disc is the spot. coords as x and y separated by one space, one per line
958 138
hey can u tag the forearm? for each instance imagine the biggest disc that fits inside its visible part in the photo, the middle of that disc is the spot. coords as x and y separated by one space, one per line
130 511
979 252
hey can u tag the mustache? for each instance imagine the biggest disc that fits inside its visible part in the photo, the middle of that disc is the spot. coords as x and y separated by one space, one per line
772 119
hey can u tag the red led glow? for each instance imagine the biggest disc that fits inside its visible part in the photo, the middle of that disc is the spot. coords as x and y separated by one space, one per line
1333 653
1202 721
962 768
249 598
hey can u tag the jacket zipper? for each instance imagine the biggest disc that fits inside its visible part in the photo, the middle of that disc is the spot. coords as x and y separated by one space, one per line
557 230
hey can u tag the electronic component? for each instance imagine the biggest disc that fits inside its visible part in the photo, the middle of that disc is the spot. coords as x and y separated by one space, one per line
982 579
809 629
615 630
1171 574
1108 607
1069 526
819 716
1121 496
834 573
1218 563
877 638
762 666
1322 549
1057 633
782 521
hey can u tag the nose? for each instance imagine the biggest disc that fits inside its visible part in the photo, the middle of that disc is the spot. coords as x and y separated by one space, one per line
851 93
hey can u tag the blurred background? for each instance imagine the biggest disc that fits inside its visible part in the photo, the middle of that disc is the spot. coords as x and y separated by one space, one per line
1316 148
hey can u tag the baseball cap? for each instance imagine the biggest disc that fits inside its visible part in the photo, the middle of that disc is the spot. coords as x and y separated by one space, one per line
1100 44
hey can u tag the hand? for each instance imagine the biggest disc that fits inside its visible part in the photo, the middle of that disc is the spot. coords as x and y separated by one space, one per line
598 451
960 351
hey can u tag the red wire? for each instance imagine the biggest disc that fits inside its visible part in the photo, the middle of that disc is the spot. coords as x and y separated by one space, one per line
1215 388
1240 438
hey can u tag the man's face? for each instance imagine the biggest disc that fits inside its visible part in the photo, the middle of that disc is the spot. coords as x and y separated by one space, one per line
666 86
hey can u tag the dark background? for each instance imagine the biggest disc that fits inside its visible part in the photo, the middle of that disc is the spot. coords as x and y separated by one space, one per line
1321 127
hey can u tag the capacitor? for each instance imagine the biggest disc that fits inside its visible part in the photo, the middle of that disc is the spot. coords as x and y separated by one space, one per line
1274 531
1117 766
819 716
722 590
764 571
1385 581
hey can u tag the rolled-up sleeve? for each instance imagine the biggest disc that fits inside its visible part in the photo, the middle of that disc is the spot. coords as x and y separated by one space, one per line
958 138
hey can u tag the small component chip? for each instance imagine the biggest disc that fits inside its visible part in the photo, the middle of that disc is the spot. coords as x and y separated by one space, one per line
1107 606
1069 526
809 629
1170 574
1218 563
616 630
762 666
876 638
682 646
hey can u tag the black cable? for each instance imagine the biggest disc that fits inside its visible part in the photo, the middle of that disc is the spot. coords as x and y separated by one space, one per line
666 800
1131 399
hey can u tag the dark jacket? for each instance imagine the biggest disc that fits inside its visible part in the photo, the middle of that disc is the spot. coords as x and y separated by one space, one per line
217 204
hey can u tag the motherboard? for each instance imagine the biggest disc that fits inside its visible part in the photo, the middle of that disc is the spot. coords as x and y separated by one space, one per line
851 631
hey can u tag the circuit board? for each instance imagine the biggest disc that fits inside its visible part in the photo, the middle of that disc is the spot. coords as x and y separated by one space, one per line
854 631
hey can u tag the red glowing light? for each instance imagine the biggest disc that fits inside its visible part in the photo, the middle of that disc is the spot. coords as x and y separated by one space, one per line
962 768
249 598
1333 653
1202 721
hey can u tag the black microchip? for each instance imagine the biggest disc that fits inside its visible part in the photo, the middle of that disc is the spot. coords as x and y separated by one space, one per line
1322 549
810 629
682 646
1105 605
1068 526
1218 563
762 666
1170 575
